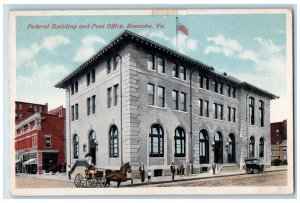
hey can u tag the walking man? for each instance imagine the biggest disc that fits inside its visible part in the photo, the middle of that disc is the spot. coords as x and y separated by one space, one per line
142 172
172 169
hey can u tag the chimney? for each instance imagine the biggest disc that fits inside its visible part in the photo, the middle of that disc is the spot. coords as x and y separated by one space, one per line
46 108
225 73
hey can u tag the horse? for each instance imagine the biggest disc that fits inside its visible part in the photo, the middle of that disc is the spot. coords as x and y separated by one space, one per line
118 175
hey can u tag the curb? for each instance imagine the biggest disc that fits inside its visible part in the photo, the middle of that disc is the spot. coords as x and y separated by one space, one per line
196 178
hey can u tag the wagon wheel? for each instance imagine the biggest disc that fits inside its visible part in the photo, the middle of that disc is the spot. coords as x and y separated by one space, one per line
101 182
255 171
79 181
91 182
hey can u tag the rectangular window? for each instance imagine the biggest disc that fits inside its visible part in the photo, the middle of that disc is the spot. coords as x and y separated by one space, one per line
201 81
109 98
93 76
221 88
175 100
207 83
76 112
150 91
161 96
94 104
251 111
72 88
261 113
116 94
88 79
160 65
233 92
215 86
41 109
183 101
20 106
76 86
201 107
182 71
228 91
221 111
35 108
110 65
88 106
229 113
206 108
233 114
216 110
48 142
175 71
72 113
150 62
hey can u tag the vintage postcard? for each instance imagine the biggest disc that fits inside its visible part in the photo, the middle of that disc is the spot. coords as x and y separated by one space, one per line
151 102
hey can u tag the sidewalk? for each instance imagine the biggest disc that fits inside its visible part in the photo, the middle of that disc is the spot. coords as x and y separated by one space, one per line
154 180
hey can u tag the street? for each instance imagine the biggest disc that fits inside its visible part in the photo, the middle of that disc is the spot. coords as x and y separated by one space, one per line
278 178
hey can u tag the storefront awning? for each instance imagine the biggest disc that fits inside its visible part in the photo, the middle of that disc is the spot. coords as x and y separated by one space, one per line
29 162
18 161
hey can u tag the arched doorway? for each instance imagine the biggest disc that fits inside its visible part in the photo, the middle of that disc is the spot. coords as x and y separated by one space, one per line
231 148
203 145
218 147
252 147
92 146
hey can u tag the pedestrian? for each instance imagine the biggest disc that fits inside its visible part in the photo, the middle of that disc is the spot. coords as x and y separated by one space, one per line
187 169
214 167
173 170
181 169
69 171
142 172
149 175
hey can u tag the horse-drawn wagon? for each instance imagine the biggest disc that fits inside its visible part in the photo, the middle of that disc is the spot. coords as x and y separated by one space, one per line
95 177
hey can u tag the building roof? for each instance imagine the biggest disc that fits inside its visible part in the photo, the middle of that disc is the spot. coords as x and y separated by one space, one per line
140 39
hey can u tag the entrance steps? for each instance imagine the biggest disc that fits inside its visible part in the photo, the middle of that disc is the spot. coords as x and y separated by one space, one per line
228 168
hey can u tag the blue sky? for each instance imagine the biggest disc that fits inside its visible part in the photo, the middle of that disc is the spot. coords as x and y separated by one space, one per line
251 47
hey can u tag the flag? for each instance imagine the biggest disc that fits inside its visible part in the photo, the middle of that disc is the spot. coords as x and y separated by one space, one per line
183 29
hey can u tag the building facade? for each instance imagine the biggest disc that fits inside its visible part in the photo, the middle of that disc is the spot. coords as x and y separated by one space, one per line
139 101
279 140
40 141
24 110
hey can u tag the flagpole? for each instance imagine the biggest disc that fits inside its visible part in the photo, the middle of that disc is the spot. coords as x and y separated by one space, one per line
177 33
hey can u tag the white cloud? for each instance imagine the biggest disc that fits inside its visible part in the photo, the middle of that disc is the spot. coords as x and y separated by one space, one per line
249 55
159 35
267 46
38 87
87 48
25 56
222 44
185 43
52 42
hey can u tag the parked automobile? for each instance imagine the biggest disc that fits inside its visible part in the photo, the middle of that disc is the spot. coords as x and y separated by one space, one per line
253 165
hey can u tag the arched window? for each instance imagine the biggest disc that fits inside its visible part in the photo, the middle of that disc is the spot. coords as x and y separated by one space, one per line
113 142
218 147
179 142
203 144
261 147
231 148
156 146
251 146
75 146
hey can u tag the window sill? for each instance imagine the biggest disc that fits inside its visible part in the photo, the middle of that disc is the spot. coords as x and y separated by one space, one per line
91 115
157 107
160 157
111 108
108 74
218 120
153 70
180 111
162 73
204 117
179 79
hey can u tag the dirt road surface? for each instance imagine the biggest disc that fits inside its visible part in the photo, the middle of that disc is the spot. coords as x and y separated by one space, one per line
278 178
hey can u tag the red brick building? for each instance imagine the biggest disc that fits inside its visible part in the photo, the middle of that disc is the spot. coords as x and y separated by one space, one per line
279 140
40 138
24 110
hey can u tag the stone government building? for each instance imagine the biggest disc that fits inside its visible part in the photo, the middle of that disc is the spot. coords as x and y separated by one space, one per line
136 100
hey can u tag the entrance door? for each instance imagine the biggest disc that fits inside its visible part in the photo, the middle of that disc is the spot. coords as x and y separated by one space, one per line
92 146
218 148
